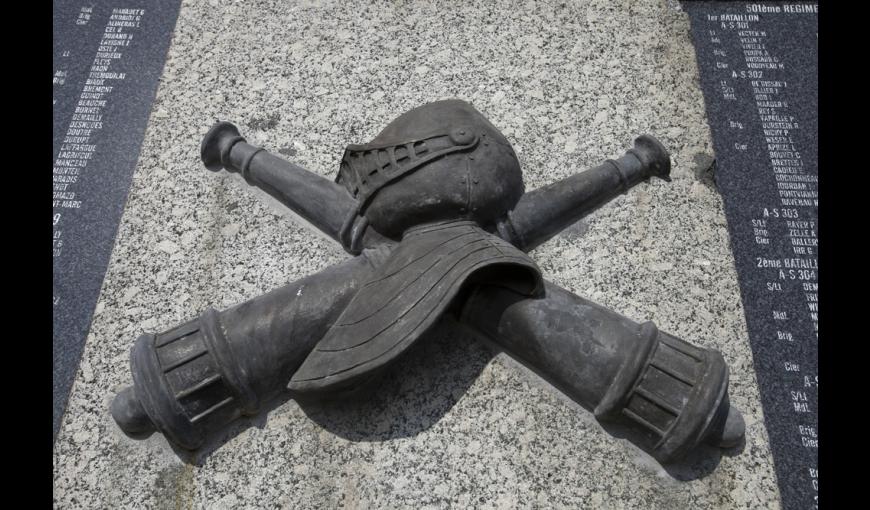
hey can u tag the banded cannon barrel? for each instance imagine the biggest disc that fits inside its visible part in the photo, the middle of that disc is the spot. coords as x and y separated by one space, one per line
671 394
193 380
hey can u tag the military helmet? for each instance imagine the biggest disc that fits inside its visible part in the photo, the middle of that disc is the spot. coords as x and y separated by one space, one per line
440 161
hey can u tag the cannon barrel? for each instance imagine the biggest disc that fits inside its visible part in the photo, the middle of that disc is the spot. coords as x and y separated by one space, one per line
194 379
669 393
546 211
318 200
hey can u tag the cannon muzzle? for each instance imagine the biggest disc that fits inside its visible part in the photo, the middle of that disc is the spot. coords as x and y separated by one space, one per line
546 211
217 145
321 202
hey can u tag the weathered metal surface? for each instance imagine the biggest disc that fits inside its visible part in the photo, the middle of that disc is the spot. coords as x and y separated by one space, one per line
435 211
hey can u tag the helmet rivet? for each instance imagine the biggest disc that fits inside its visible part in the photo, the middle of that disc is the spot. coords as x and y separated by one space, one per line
461 136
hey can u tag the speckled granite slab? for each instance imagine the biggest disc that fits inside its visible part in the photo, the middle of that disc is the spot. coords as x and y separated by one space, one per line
108 57
570 84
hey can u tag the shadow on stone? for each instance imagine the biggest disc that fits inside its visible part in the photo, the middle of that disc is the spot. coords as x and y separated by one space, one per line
410 396
705 170
575 231
200 456
700 462
407 399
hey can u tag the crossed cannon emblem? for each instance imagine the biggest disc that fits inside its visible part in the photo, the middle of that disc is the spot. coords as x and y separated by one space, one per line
435 214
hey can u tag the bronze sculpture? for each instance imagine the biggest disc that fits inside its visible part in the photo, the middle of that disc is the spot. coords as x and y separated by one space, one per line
434 212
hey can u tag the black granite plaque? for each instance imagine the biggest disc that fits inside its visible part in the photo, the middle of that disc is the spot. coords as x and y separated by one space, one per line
759 73
108 56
